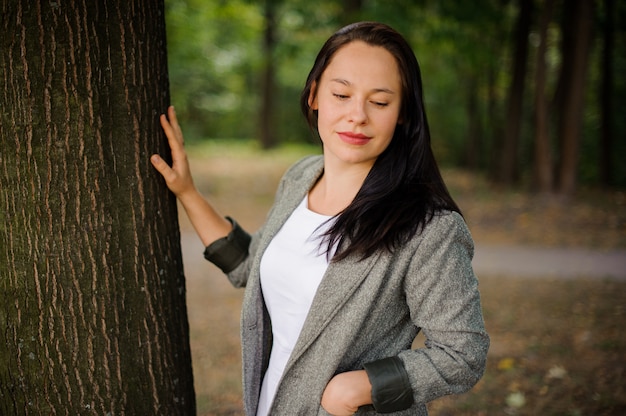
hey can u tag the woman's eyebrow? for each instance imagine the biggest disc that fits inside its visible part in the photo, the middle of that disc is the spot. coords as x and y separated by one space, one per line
348 83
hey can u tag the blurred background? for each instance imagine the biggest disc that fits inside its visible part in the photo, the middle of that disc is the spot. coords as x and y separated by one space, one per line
528 92
526 102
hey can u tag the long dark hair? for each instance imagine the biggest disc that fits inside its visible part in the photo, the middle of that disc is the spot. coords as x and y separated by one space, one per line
404 189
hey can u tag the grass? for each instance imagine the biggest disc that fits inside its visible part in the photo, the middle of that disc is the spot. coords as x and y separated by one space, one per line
558 346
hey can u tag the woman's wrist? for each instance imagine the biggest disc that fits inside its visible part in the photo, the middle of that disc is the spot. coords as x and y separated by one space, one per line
346 392
207 222
189 196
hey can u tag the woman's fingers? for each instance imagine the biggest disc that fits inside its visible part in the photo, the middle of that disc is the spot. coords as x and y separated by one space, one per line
171 113
163 168
173 131
174 136
177 176
177 182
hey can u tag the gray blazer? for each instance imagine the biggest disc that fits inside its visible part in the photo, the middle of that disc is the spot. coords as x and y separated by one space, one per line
368 310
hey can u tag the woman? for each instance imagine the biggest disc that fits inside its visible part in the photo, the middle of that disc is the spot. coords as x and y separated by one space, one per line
362 249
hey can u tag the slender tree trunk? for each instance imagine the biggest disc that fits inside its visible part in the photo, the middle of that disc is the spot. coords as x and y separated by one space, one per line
268 84
351 11
574 73
495 121
543 153
475 133
92 300
509 159
606 94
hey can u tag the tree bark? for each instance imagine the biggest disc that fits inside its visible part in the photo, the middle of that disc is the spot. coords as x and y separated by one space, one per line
543 154
92 304
578 29
509 159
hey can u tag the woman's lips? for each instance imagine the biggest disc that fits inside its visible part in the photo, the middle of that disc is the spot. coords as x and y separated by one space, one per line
353 138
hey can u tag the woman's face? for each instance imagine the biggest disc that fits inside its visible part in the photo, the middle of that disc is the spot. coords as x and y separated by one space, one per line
358 101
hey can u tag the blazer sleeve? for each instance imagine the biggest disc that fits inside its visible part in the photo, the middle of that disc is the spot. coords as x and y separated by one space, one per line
232 254
442 294
228 252
444 301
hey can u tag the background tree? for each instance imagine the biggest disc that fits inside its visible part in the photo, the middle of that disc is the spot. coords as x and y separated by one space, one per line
467 52
92 304
351 11
509 158
543 162
606 94
577 33
268 84
214 61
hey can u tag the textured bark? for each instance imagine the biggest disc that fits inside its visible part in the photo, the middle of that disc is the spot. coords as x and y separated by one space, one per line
92 298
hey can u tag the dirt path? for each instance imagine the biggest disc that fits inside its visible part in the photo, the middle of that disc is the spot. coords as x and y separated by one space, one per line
509 260
549 262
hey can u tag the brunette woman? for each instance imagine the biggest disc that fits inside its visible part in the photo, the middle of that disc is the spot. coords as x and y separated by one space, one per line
362 249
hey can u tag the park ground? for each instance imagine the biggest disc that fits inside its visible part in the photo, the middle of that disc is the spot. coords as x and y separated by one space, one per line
558 340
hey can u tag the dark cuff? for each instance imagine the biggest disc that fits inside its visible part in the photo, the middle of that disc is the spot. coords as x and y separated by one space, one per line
228 252
391 388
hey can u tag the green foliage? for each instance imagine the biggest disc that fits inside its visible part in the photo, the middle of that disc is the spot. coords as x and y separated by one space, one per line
464 49
213 54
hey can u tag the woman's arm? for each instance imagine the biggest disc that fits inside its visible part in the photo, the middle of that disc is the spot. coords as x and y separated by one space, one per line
442 292
207 222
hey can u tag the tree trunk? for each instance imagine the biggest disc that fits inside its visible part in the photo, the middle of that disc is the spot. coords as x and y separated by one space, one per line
509 160
572 92
92 304
493 149
473 148
268 84
351 11
543 155
606 97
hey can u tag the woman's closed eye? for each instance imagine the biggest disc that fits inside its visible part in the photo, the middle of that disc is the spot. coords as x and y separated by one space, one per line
344 97
341 96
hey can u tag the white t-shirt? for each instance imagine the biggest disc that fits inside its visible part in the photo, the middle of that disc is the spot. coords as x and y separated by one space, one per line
292 268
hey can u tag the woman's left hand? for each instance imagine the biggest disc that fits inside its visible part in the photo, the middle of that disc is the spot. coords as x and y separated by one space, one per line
346 392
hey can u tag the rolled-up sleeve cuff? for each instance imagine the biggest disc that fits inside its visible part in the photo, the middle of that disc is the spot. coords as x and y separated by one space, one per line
228 252
391 388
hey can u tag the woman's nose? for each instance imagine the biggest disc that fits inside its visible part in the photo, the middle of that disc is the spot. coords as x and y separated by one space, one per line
358 113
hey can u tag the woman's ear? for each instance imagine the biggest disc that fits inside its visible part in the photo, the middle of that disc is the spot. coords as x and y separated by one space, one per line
313 96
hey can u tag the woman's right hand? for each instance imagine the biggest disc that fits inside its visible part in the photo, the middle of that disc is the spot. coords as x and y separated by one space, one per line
178 176
207 222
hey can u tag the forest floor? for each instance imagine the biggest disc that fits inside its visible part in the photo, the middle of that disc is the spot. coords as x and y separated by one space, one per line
552 284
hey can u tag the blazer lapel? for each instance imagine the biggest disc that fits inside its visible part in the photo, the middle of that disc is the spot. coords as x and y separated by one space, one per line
339 283
340 280
294 190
